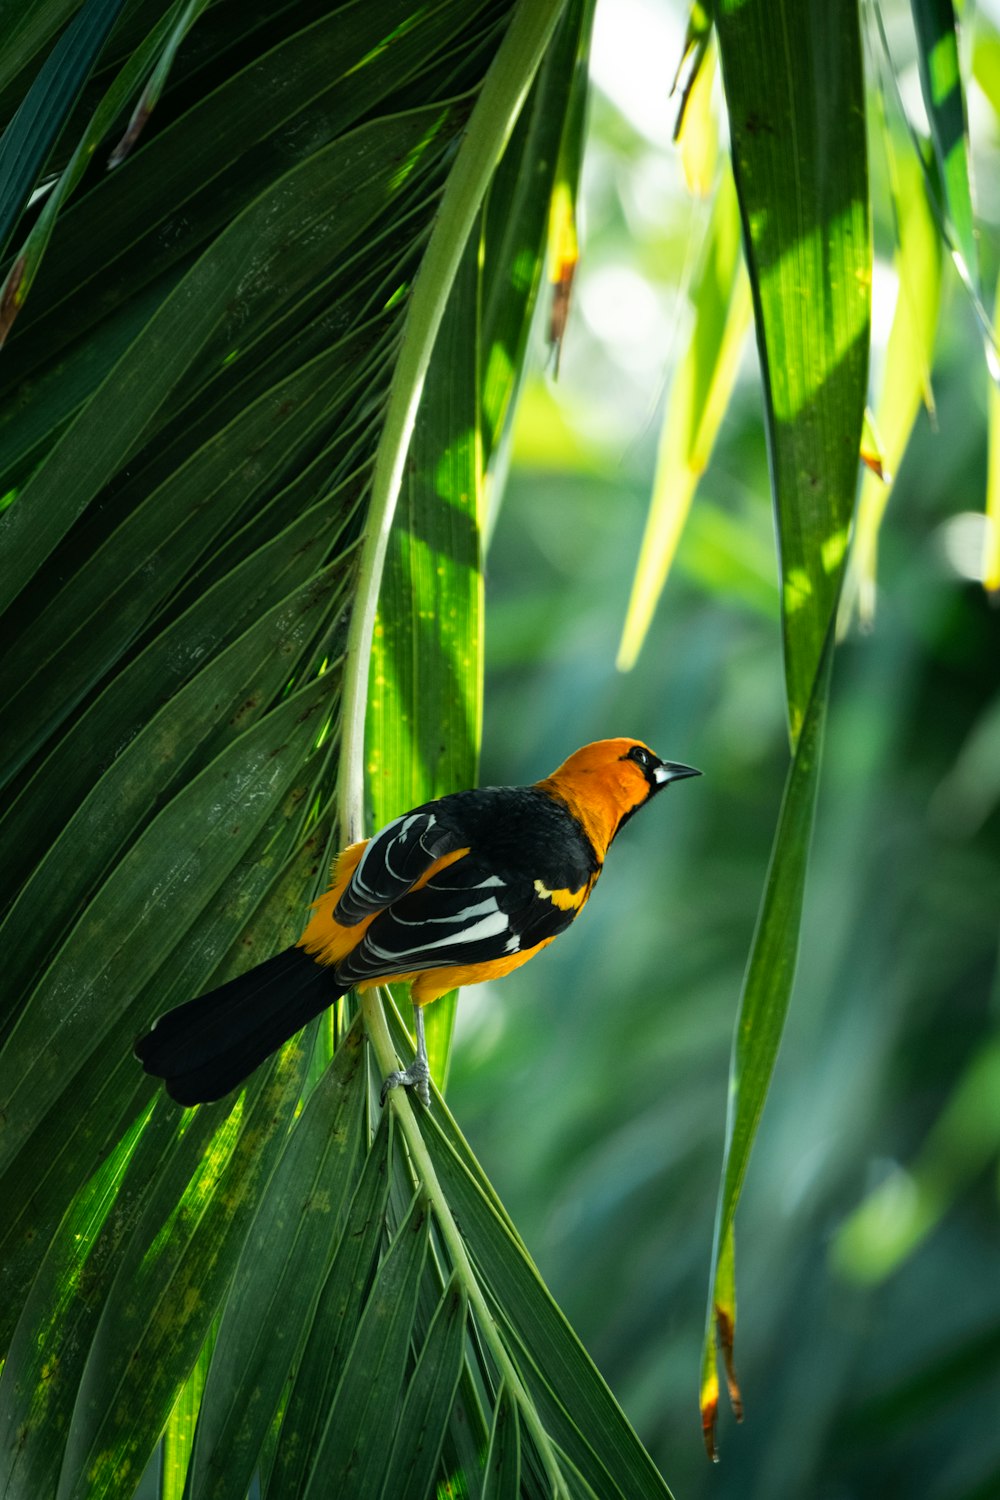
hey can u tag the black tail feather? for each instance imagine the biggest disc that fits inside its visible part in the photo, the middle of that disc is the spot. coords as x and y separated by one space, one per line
204 1048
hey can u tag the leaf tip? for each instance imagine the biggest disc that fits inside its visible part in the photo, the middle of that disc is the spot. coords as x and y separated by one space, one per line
726 1326
709 1416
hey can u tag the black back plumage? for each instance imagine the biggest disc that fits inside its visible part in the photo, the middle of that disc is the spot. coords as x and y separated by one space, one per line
486 905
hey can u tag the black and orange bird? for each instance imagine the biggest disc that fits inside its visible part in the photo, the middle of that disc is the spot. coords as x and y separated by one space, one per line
462 889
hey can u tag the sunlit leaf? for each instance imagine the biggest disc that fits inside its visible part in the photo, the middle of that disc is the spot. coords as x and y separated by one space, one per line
29 136
277 1282
699 395
425 693
991 540
906 371
697 132
944 98
807 240
178 1435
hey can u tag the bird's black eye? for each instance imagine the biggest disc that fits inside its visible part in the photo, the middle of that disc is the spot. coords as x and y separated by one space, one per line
641 756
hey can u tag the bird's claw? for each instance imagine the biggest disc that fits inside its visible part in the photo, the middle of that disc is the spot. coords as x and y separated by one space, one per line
417 1077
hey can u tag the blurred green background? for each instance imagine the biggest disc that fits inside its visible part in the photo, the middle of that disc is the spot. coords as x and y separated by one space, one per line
592 1084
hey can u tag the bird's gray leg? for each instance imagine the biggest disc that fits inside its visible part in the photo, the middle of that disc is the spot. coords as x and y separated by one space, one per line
418 1074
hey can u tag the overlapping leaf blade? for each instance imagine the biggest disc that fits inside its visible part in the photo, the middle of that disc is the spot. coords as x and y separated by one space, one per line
794 85
944 99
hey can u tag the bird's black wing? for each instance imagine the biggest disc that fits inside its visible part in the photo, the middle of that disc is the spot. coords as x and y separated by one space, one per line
467 913
393 861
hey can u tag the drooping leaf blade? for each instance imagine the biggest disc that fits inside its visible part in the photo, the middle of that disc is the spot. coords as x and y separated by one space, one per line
696 405
794 84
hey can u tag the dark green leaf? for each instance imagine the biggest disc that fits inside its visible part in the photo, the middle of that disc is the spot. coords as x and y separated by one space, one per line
502 1476
423 1422
27 140
578 1411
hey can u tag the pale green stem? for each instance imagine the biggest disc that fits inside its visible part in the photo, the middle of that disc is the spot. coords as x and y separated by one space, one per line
399 1100
490 124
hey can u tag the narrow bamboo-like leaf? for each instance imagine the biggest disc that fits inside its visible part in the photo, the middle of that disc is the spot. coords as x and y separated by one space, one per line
179 1263
423 1421
699 395
697 132
502 1474
892 1221
247 619
563 250
178 1435
286 1255
545 148
794 84
154 87
944 99
991 540
425 692
807 240
351 1454
26 141
337 1314
906 374
767 989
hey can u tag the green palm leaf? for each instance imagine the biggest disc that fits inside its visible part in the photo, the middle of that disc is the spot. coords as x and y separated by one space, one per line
272 320
794 83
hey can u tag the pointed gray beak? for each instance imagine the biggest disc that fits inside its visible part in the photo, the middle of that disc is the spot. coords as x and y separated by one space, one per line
672 770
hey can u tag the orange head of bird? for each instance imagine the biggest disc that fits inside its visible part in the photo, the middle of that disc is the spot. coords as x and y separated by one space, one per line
604 783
